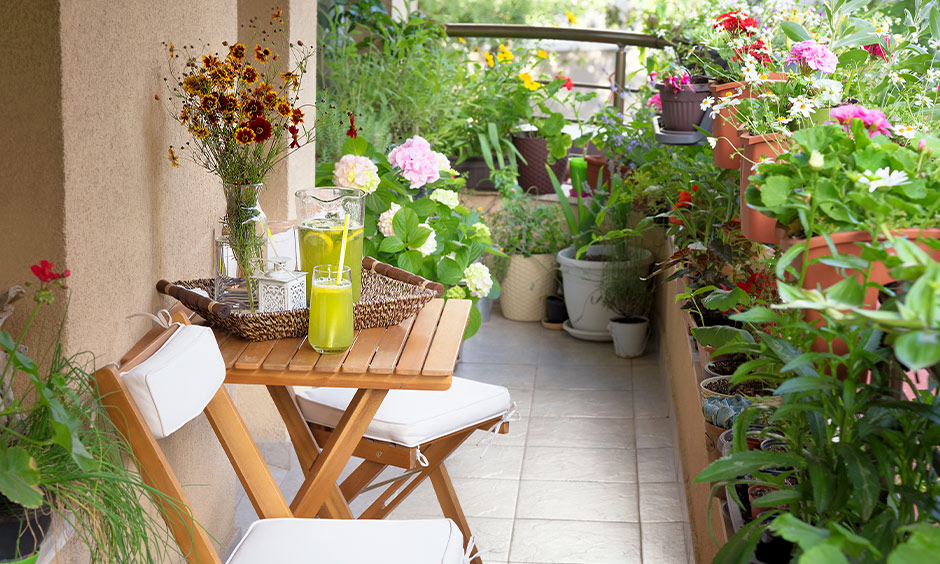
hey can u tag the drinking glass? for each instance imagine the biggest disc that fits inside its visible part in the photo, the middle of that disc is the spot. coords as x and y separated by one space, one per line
321 213
331 309
281 243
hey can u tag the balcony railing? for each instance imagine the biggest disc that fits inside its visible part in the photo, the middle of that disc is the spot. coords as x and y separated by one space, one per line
622 39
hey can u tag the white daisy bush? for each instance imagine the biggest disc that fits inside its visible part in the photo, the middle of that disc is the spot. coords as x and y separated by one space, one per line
433 236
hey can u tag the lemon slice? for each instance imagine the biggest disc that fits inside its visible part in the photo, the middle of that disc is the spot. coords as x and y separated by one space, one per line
319 240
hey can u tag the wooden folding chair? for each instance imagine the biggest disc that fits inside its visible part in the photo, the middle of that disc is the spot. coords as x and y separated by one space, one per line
414 431
277 537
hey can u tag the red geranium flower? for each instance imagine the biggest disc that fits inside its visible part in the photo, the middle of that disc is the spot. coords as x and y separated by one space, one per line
261 127
569 84
758 49
44 272
685 199
735 22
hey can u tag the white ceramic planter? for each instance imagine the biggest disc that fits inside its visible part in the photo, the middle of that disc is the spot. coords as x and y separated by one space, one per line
630 338
581 280
527 282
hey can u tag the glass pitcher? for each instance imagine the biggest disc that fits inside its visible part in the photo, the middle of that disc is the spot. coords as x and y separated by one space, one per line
321 213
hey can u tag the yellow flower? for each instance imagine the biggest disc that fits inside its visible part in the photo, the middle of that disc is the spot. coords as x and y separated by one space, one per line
244 135
489 59
504 55
571 17
174 160
462 40
542 54
503 48
528 82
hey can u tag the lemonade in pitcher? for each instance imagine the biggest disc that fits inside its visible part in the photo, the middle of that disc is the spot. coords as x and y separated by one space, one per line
320 243
331 310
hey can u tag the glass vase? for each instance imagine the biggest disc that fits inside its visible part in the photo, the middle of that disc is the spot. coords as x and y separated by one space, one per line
239 251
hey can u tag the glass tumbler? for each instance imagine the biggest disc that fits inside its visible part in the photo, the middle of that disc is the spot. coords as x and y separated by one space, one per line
331 310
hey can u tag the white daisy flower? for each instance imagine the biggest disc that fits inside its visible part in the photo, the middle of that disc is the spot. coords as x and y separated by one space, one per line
801 106
708 102
896 78
883 178
905 131
712 141
761 162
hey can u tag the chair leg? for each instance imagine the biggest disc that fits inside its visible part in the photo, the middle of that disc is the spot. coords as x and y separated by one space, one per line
360 478
447 497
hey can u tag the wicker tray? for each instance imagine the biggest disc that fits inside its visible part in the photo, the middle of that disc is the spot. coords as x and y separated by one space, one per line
389 296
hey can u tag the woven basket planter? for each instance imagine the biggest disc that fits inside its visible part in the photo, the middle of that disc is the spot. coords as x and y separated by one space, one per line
527 282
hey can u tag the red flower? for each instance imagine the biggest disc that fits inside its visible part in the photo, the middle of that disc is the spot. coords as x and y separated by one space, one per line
44 272
261 127
685 199
569 84
695 187
675 221
253 108
352 126
293 130
735 22
758 49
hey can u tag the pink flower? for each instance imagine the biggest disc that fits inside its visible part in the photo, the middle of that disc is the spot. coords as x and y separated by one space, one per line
811 56
874 120
418 163
678 82
877 51
655 100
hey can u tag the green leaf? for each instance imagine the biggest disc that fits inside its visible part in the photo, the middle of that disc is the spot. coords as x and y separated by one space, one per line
720 335
19 477
6 341
746 462
854 58
922 546
866 484
419 236
410 260
758 314
796 531
823 554
787 258
935 23
804 384
723 300
918 349
846 291
391 245
740 548
775 192
552 125
795 31
355 146
404 222
449 272
779 497
558 145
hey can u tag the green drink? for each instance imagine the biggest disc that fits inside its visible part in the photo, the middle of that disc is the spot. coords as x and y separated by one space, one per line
320 243
331 310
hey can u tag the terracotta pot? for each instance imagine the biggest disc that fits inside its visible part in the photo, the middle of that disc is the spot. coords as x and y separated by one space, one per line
822 276
725 125
757 491
682 111
597 164
532 174
755 225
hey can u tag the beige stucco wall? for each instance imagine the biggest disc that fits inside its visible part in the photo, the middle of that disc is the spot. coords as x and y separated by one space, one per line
85 181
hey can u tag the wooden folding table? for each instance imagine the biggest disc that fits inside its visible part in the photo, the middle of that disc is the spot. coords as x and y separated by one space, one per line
418 354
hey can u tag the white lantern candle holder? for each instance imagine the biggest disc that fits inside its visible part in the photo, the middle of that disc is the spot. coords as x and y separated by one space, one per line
280 289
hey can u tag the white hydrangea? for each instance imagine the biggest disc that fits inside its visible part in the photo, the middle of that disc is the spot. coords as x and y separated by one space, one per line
828 92
443 163
478 279
430 245
447 197
353 171
482 230
385 220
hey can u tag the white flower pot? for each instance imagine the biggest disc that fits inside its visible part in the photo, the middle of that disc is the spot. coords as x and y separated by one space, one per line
527 282
630 337
581 280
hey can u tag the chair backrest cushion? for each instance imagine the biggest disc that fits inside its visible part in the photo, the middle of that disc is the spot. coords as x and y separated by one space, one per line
177 382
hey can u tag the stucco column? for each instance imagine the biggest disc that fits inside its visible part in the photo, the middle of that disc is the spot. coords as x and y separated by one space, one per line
300 24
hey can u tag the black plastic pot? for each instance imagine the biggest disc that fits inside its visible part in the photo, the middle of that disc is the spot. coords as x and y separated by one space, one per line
21 529
476 172
555 310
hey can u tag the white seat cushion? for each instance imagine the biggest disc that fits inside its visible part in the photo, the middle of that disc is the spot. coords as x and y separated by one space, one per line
412 417
339 541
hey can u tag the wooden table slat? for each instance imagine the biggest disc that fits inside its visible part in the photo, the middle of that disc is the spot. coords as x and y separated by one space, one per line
442 357
282 353
419 341
232 349
390 347
305 359
357 362
254 354
331 363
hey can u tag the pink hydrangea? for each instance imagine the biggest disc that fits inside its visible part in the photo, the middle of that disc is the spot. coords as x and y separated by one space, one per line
874 120
655 100
353 171
418 163
812 56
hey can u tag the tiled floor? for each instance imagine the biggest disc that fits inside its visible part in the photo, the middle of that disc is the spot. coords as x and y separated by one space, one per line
589 476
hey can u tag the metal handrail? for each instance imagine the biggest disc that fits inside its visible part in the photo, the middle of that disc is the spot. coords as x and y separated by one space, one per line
622 39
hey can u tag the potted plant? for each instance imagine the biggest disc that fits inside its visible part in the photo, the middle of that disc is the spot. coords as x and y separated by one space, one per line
854 185
720 414
625 290
681 95
62 460
529 233
243 110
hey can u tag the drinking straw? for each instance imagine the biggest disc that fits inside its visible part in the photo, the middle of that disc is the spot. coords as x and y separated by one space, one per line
342 252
